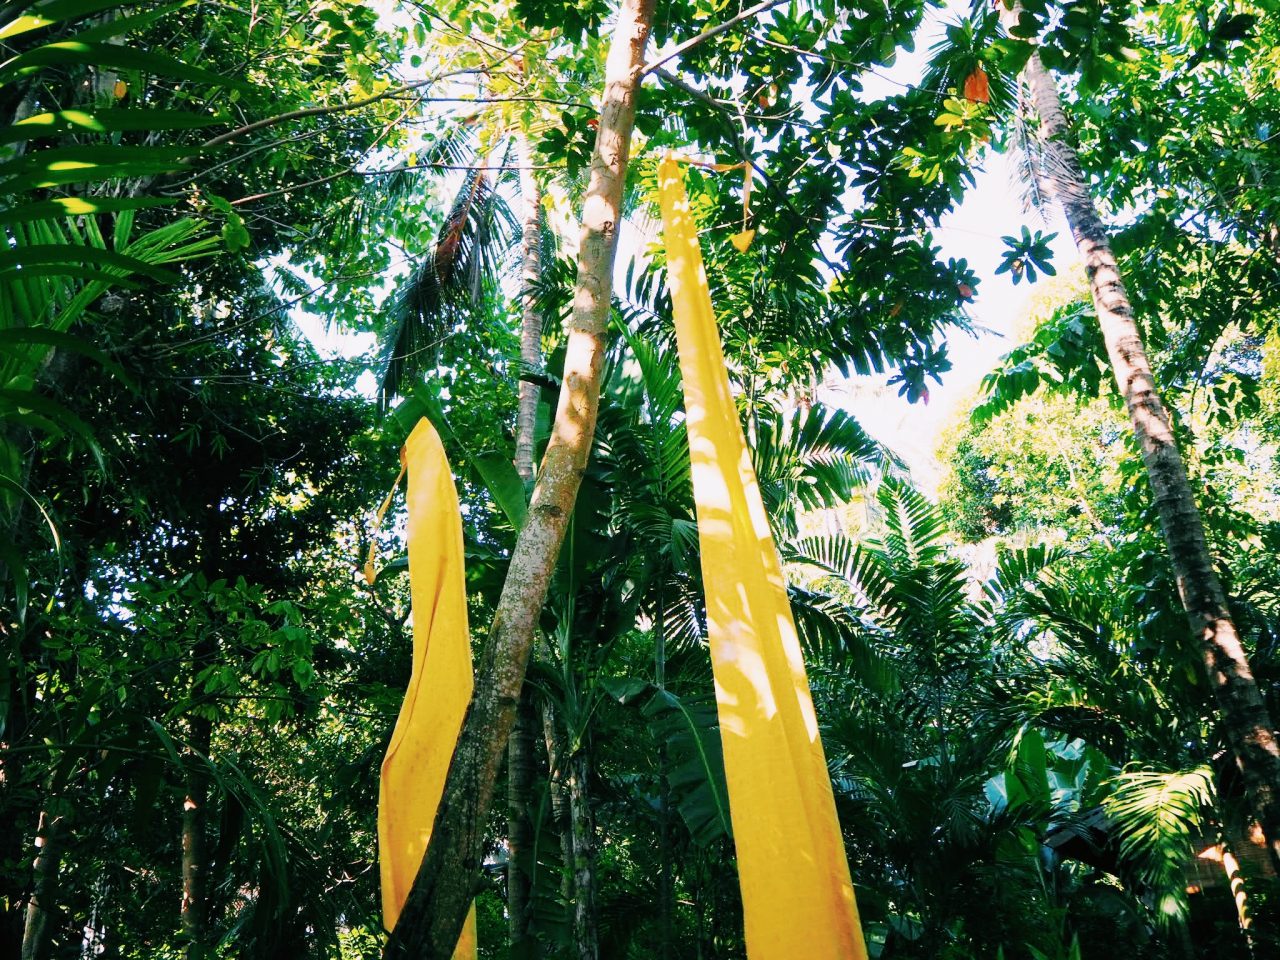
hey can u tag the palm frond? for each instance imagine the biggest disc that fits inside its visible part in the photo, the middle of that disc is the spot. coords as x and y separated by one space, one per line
450 283
1157 815
811 458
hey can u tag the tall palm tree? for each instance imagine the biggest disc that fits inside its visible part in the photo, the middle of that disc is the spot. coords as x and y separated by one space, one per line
1246 721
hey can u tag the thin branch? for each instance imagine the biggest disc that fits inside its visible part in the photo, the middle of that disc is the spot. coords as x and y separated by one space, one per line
710 34
407 168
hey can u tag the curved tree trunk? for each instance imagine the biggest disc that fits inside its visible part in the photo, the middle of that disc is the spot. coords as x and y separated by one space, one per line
433 914
1242 710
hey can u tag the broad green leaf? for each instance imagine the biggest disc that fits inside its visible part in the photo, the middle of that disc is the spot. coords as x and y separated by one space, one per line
41 15
100 54
75 255
78 206
62 122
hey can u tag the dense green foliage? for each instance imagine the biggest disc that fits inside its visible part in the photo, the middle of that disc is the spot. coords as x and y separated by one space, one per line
1026 758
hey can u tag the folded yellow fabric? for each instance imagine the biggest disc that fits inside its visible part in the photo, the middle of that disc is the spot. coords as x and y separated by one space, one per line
426 732
797 897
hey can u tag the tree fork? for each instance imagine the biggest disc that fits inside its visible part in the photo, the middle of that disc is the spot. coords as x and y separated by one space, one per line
1243 712
437 905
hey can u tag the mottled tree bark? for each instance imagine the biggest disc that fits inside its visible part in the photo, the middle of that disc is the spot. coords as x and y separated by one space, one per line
1241 708
434 912
583 830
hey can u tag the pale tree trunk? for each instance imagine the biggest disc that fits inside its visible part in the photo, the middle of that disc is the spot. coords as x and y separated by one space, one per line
1242 710
50 838
530 322
437 904
583 830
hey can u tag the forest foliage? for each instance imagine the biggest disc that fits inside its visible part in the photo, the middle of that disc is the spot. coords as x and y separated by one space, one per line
199 684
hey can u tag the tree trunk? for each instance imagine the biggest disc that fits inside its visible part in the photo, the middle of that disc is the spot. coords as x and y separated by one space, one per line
520 748
559 803
530 322
520 847
437 905
1242 711
583 829
50 837
195 858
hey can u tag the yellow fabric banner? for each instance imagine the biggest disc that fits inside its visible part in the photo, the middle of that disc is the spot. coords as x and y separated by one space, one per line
430 720
797 897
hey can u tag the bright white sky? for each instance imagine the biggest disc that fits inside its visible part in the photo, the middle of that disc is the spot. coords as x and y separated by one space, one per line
991 209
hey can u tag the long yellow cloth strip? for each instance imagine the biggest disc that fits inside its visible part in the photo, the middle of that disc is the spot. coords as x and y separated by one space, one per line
417 760
797 897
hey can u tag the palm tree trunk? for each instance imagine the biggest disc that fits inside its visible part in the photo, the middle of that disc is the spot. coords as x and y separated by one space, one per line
530 322
1242 711
583 830
559 802
437 904
195 859
520 847
520 747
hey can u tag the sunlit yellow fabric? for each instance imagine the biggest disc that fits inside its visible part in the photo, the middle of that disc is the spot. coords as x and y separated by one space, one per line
797 897
427 729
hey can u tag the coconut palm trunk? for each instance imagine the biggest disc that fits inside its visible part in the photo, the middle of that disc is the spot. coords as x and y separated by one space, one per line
437 905
1241 708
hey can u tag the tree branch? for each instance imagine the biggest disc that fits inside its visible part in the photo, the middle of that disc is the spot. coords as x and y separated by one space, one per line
711 34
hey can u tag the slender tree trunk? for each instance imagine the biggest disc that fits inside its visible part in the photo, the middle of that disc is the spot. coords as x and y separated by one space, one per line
559 802
666 884
1242 711
530 321
520 851
520 747
437 904
50 839
583 829
195 855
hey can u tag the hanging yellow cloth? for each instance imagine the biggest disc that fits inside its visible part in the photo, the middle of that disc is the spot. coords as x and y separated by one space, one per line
430 720
797 897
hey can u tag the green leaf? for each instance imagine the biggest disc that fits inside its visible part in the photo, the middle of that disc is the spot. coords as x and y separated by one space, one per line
43 15
78 206
76 255
504 485
59 123
100 54
64 341
56 412
696 763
